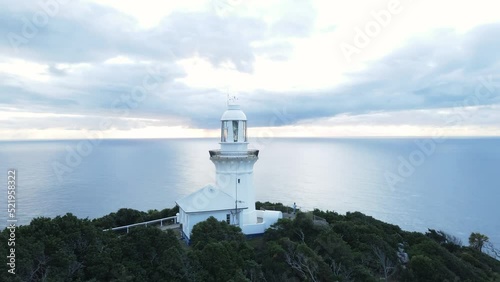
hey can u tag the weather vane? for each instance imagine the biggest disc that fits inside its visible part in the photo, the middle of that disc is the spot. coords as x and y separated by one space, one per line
231 99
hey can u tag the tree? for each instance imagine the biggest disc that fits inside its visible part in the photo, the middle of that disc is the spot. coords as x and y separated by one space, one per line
423 268
128 216
217 261
446 240
219 252
211 231
388 267
305 261
477 241
336 253
353 247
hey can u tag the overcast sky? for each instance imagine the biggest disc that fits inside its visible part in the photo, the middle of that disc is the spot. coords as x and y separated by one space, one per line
139 69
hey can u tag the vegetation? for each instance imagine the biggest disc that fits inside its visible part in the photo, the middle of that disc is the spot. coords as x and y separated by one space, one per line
130 216
477 241
316 246
273 206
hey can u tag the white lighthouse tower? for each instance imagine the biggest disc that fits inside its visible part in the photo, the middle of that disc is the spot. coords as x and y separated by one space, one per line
232 198
234 163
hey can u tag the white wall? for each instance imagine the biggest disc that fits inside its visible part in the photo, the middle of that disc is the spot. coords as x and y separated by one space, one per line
268 219
193 218
251 229
189 220
271 217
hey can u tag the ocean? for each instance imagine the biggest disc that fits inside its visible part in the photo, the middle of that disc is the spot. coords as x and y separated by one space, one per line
451 185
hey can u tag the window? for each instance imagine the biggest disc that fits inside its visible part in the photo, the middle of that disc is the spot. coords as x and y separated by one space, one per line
244 124
223 134
235 130
228 218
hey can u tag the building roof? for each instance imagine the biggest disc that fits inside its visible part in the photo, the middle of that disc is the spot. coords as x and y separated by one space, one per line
233 112
208 198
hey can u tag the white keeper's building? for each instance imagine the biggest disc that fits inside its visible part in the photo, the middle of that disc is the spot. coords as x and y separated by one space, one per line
232 198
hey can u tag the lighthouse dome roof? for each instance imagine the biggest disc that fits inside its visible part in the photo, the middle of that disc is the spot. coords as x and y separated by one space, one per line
233 112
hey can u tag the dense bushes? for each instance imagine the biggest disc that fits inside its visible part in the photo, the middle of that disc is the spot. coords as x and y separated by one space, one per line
130 216
316 246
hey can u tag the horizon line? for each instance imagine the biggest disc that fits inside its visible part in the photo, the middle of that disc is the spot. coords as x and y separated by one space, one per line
277 137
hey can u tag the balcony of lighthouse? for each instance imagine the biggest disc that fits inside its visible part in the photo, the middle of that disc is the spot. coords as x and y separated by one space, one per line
219 154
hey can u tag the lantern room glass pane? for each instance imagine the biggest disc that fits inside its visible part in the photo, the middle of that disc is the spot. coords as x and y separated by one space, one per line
235 130
244 124
223 135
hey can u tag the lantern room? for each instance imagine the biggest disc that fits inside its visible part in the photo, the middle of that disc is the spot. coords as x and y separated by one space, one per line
233 129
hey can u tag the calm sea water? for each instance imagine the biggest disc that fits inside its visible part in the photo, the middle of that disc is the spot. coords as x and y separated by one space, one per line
456 188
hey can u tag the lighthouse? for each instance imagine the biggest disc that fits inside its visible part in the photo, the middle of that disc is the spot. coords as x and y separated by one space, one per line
234 163
232 197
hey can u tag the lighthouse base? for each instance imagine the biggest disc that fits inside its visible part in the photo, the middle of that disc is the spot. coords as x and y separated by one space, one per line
264 220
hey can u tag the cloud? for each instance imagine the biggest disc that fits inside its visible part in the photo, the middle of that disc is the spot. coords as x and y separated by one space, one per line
85 32
89 61
296 20
438 71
